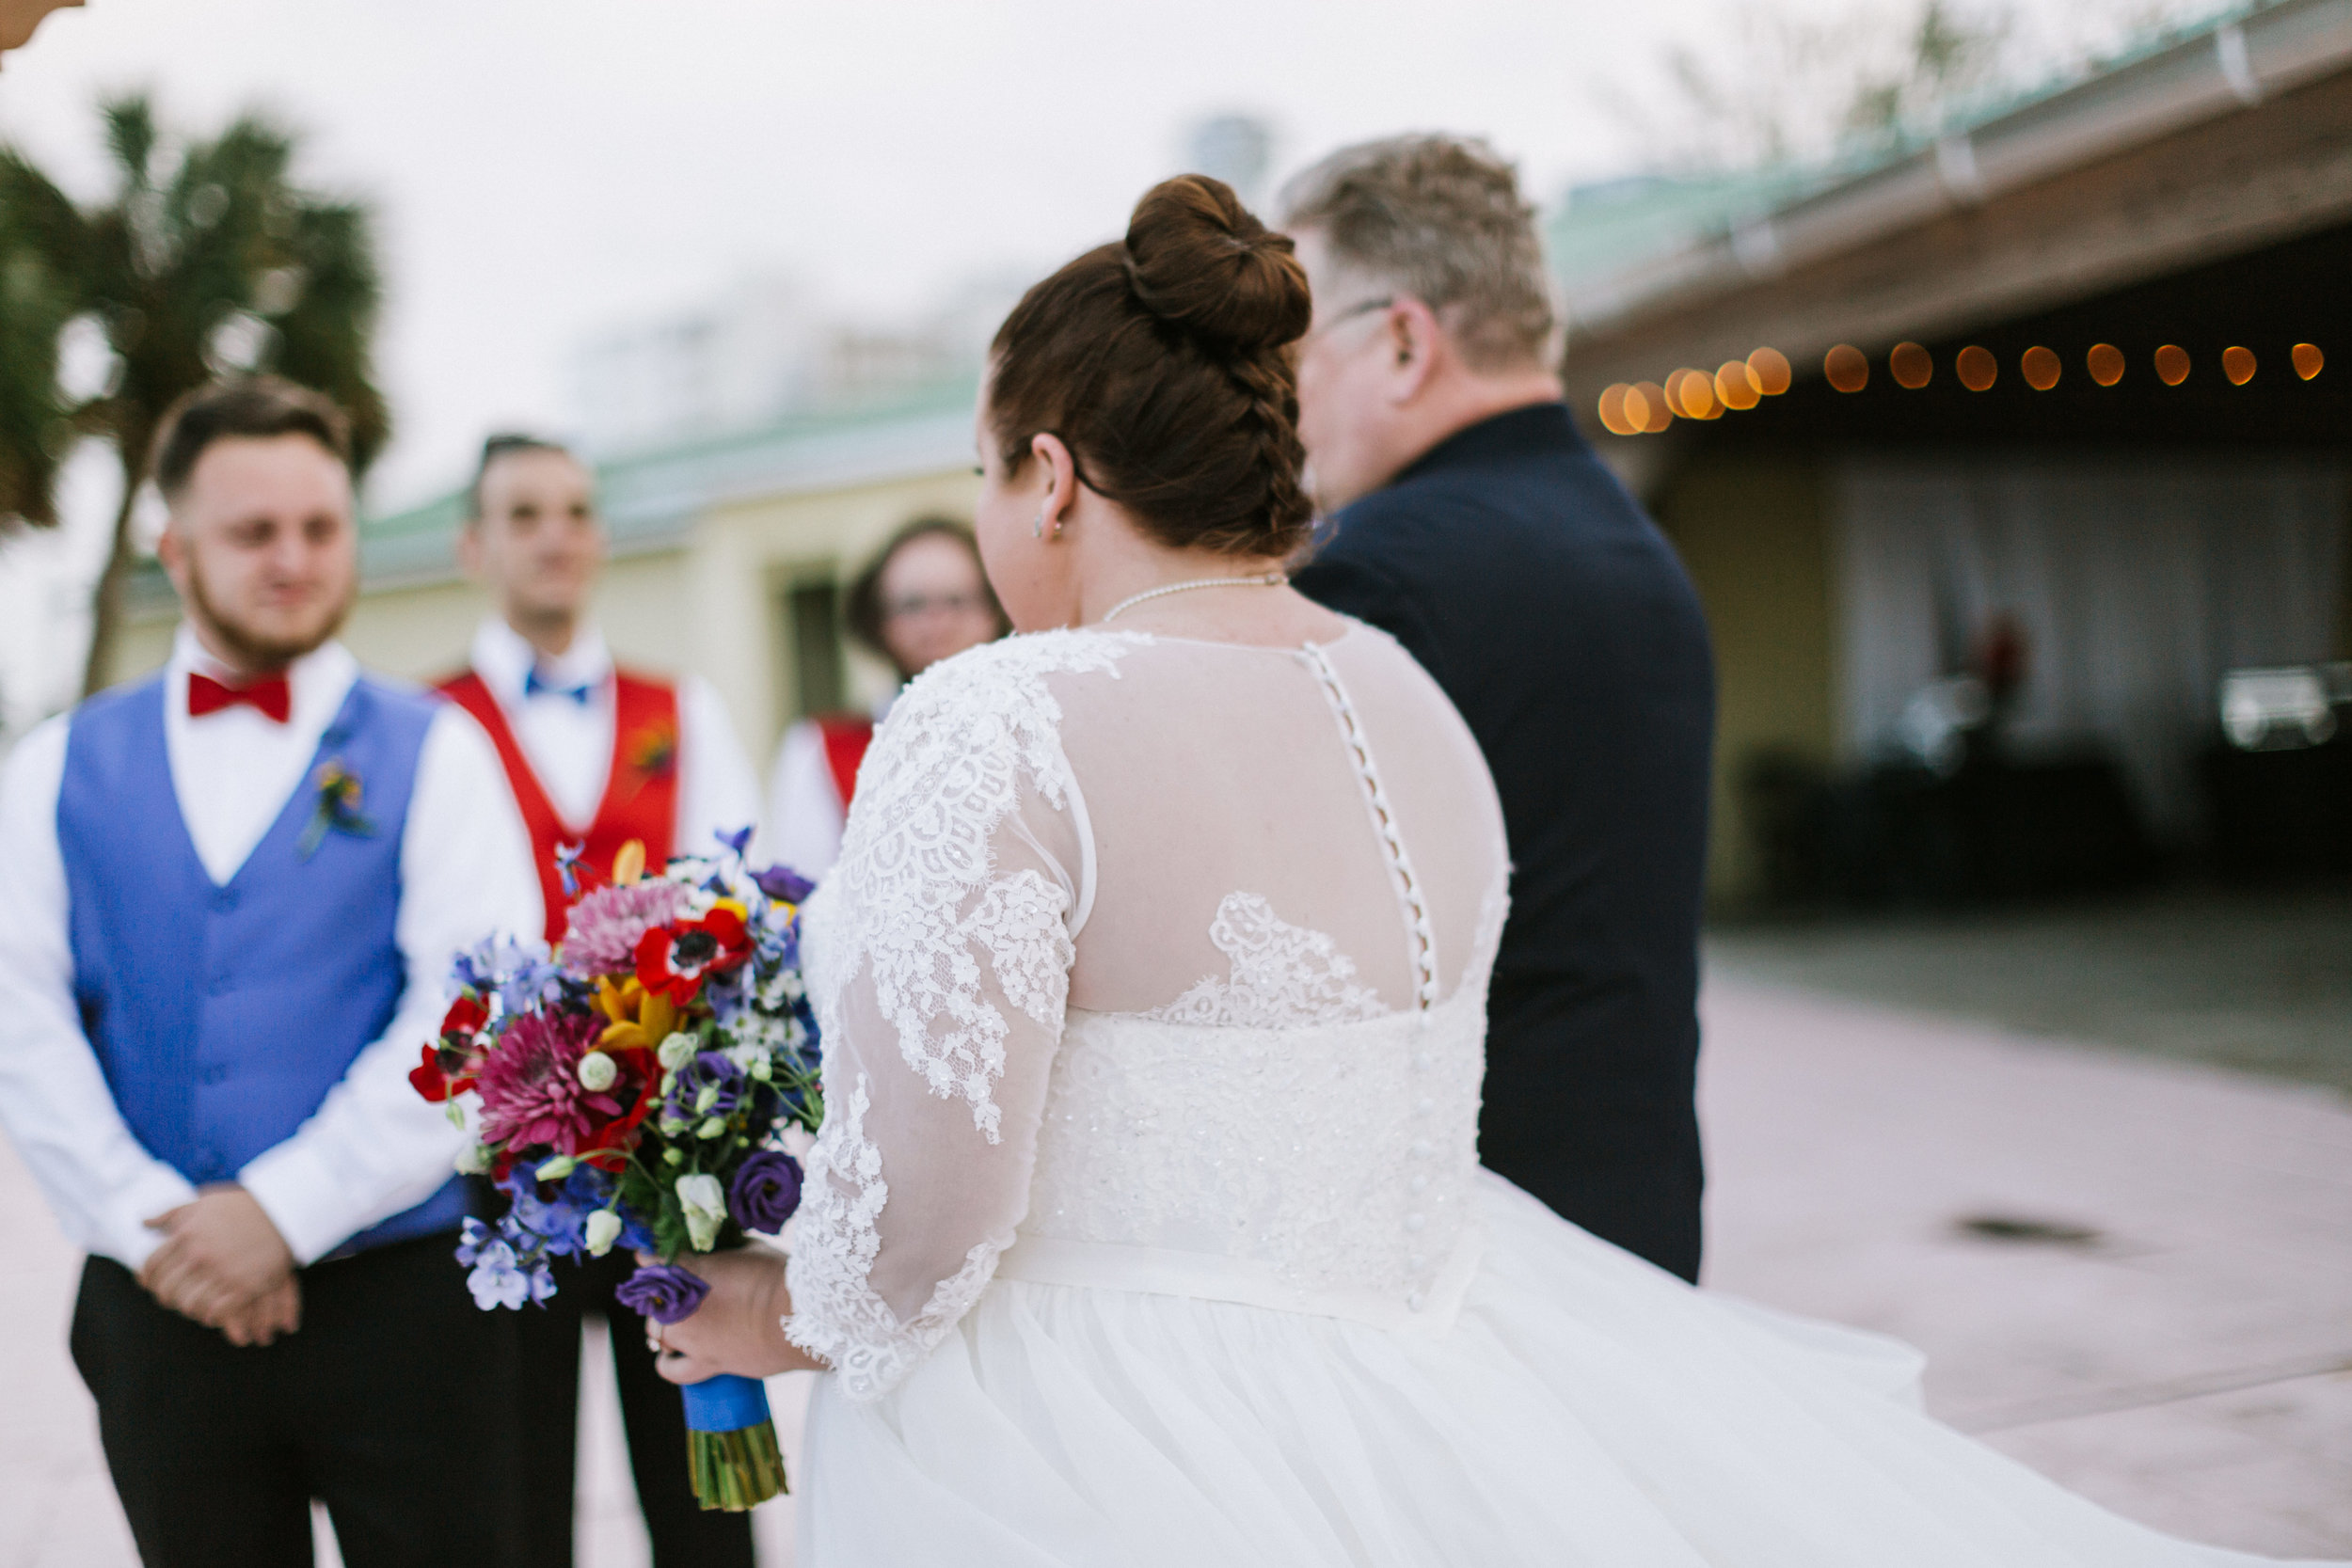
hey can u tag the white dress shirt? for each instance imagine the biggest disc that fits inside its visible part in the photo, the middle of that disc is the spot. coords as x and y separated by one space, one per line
568 743
373 1147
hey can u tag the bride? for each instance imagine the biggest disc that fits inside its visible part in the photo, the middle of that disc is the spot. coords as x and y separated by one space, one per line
1147 1225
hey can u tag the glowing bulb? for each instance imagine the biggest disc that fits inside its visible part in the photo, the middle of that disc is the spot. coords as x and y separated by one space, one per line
1770 367
2238 365
1847 370
2105 364
2171 364
1976 368
1693 394
1735 385
2309 361
1612 415
1657 412
2041 368
1912 365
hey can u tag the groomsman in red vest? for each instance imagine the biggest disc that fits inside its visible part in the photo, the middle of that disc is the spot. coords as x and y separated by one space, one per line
596 756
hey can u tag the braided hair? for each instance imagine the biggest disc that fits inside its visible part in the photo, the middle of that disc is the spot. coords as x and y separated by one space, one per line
1161 361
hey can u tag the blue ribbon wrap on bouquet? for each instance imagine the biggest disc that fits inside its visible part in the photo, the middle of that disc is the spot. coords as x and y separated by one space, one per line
731 1443
726 1404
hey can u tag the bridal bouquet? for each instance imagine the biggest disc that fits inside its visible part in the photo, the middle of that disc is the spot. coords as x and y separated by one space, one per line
636 1091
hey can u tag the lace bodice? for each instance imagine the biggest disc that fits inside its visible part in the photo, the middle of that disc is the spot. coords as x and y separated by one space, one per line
1131 975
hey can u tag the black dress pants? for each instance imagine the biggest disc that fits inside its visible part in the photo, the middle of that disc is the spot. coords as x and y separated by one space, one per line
393 1403
684 1534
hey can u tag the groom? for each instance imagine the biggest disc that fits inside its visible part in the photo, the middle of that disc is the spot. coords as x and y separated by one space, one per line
235 890
1471 522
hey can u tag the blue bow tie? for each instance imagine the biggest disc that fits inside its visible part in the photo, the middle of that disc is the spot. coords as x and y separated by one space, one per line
534 687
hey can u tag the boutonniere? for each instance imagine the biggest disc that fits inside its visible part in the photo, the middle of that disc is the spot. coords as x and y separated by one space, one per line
653 752
336 808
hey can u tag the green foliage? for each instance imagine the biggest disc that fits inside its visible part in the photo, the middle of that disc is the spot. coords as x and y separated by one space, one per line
206 261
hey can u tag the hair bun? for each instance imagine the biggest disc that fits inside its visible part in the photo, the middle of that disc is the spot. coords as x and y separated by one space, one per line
1199 261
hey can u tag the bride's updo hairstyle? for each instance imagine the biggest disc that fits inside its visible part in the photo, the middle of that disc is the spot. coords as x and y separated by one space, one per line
1161 362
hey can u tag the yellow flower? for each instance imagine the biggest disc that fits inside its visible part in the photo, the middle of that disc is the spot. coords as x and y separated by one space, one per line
642 1020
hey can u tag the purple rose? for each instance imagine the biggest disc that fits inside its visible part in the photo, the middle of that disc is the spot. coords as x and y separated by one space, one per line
663 1291
709 1085
784 884
765 1190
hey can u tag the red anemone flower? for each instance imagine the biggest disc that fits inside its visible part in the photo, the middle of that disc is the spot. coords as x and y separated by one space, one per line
675 958
610 1144
464 1020
430 1081
449 1067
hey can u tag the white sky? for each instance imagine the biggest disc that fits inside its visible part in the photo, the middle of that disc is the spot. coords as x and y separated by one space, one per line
544 168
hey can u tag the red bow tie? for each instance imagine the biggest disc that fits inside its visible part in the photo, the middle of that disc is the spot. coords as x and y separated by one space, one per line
268 696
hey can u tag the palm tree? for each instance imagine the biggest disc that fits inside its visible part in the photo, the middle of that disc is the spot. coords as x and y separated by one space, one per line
206 262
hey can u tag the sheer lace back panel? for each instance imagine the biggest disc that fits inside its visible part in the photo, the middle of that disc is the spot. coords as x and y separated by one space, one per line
1165 960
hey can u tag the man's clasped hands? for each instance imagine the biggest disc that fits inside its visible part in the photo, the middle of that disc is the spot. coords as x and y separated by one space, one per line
224 1264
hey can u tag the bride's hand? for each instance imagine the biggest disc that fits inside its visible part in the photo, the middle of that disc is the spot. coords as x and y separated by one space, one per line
740 1326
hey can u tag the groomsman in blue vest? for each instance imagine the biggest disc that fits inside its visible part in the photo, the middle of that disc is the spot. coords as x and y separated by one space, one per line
233 893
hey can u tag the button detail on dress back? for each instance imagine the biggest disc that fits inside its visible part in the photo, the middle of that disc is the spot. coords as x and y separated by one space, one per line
1421 934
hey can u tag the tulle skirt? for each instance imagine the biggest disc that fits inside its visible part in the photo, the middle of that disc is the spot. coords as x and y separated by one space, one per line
1585 1408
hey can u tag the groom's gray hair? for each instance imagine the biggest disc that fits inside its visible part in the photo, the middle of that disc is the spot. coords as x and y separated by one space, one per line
1439 218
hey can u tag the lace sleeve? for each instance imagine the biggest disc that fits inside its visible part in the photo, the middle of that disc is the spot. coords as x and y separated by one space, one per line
940 953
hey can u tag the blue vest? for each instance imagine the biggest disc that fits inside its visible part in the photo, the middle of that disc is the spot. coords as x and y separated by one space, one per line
222 1016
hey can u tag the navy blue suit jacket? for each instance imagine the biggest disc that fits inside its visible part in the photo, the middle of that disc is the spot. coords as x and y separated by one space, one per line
1513 567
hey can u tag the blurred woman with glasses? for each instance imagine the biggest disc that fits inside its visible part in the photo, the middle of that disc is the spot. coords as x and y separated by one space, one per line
921 599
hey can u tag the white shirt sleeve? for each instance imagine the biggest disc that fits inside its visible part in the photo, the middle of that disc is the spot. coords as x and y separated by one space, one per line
803 826
99 1179
374 1147
716 790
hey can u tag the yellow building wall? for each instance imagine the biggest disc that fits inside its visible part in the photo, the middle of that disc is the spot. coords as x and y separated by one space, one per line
1754 536
747 555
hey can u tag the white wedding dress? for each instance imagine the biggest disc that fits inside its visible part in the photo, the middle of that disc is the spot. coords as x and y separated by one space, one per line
1146 1226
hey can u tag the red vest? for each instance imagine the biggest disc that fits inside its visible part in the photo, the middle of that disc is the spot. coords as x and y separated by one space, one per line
846 736
640 793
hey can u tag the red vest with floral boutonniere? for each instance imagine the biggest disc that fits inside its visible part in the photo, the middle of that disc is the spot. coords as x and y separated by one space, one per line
640 793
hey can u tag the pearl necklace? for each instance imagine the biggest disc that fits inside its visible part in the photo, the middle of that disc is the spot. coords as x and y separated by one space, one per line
1268 580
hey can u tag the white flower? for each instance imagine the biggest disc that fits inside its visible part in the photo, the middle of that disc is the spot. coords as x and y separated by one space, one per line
604 1229
597 1071
677 1051
706 1205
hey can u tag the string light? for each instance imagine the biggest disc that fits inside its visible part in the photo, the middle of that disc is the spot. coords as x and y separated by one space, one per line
1735 386
1693 394
1646 405
1738 385
1612 411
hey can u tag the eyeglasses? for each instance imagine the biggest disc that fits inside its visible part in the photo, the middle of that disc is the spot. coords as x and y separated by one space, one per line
1361 308
907 609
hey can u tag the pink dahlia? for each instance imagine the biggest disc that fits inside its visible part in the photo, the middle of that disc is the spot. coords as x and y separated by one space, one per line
532 1096
607 924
